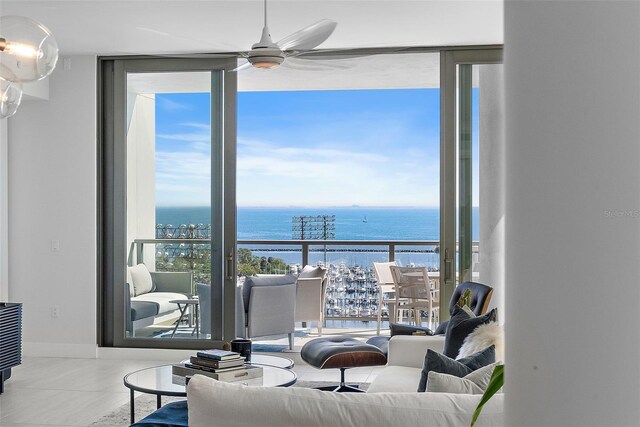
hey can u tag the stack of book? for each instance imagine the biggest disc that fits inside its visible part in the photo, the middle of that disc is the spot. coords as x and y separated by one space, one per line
221 365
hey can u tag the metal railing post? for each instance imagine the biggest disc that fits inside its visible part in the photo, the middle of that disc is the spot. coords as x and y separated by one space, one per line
139 252
392 252
305 254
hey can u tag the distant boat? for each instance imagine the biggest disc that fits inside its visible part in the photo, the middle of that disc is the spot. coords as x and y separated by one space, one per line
364 219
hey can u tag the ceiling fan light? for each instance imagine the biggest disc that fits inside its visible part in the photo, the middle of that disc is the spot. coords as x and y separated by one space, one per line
28 50
266 64
265 61
10 98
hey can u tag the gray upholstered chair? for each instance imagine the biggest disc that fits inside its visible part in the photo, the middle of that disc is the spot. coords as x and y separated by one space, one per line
204 301
267 307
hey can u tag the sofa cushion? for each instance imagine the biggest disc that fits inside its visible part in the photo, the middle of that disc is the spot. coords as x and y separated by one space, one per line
143 309
161 299
437 362
231 404
396 379
461 325
271 280
474 383
141 278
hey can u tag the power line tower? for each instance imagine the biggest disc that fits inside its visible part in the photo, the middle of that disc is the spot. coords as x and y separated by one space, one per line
310 227
314 227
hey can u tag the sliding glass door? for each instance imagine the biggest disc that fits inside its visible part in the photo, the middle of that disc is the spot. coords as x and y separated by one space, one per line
169 202
471 125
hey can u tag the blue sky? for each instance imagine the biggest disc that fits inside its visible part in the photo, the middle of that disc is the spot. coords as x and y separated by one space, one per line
307 148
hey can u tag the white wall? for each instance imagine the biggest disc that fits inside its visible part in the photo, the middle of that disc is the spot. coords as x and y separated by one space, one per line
572 72
38 90
52 197
492 167
141 185
4 211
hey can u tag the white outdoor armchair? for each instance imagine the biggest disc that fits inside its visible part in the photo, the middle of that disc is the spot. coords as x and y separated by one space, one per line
414 292
311 287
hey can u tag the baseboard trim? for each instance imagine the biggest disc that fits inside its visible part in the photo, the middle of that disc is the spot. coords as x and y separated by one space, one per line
47 349
158 354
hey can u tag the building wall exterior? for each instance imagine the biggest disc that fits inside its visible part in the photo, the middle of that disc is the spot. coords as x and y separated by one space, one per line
492 167
141 190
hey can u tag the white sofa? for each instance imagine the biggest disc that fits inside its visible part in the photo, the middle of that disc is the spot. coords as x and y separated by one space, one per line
392 399
404 363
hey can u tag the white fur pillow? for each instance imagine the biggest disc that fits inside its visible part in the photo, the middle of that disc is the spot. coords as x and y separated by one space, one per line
482 337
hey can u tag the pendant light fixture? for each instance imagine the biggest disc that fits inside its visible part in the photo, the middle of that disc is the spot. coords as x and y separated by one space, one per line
28 52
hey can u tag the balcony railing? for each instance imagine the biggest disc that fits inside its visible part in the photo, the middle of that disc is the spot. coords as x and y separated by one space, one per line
352 291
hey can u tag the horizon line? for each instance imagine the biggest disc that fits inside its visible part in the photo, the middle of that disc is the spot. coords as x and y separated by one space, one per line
314 207
303 206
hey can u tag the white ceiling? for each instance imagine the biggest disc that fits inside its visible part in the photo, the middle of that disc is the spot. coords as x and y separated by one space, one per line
162 26
397 71
101 27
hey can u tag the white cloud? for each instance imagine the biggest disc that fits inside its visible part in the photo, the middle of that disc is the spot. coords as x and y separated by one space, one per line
183 177
272 175
171 105
282 174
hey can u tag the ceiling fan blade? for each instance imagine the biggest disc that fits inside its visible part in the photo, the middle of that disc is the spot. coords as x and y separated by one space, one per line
338 54
242 67
308 37
298 64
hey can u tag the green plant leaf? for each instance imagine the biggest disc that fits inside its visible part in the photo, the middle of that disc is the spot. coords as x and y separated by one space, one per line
496 382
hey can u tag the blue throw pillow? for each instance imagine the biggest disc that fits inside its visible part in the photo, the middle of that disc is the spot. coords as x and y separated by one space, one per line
436 362
460 326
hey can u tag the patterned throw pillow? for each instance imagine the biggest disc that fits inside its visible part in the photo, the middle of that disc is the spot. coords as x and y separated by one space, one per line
460 325
436 362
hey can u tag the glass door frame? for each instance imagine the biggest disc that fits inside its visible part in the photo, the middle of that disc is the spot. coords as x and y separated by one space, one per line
451 178
112 205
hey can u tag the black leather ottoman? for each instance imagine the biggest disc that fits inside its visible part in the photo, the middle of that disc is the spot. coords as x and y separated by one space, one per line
341 353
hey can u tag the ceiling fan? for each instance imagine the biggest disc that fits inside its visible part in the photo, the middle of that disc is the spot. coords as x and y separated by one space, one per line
266 54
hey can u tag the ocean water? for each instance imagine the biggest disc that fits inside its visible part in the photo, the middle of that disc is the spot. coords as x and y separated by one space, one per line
352 223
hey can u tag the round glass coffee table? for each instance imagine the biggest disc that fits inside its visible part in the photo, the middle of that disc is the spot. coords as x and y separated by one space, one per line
158 380
268 360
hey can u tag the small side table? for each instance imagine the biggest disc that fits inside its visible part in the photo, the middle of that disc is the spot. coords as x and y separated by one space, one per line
183 304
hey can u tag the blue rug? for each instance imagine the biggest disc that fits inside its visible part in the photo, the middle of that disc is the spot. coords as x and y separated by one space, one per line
275 344
269 348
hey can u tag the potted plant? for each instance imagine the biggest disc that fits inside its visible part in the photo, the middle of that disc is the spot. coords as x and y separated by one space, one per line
495 384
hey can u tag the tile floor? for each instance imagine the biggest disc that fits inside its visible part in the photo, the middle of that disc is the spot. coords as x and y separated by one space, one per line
77 392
